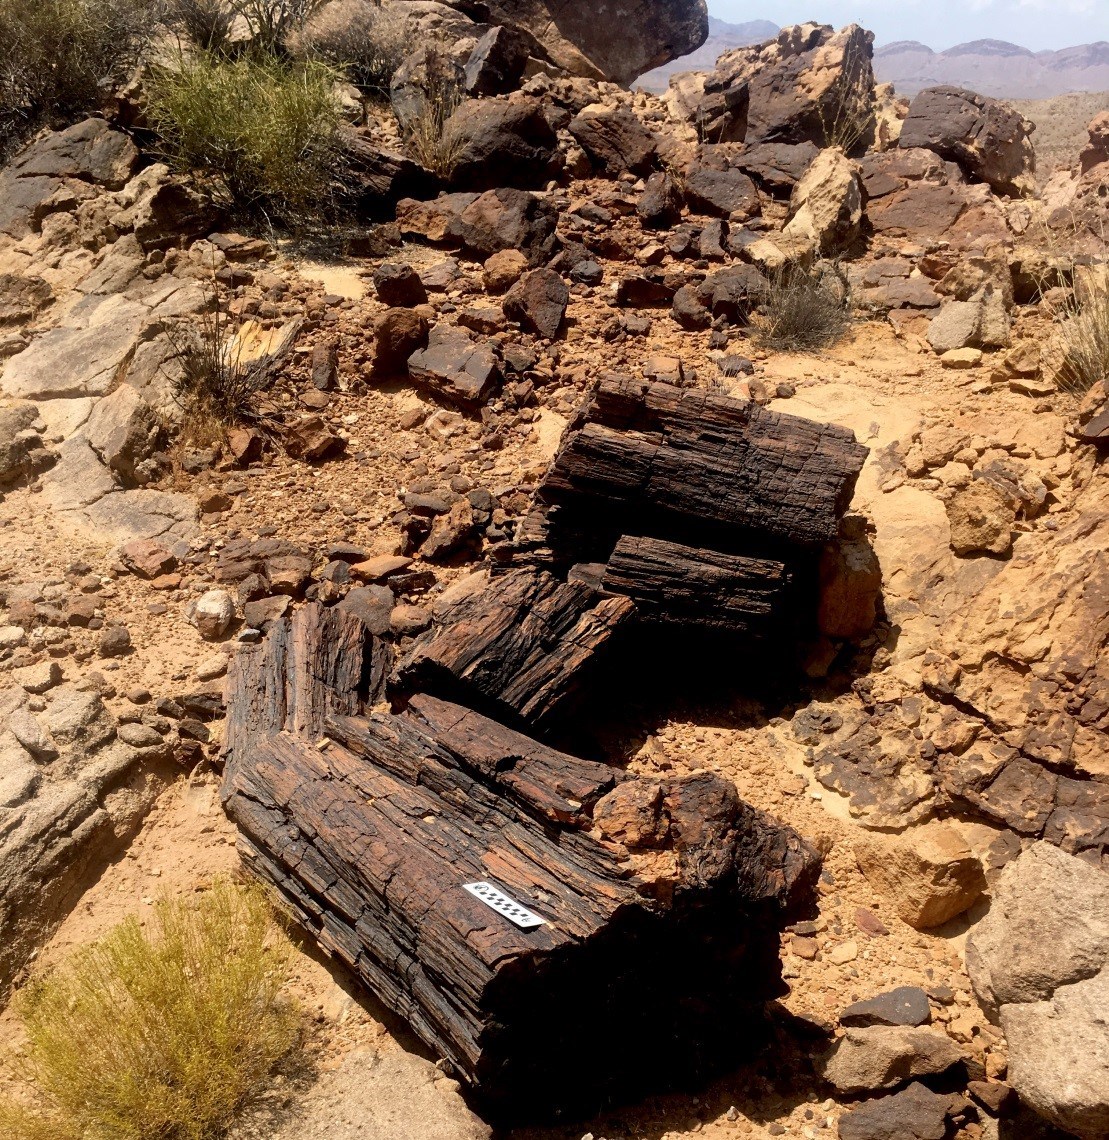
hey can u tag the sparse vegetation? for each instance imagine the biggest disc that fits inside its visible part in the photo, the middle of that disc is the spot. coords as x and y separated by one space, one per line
274 22
205 23
216 387
163 1035
58 58
1084 333
847 120
263 131
803 310
430 137
364 42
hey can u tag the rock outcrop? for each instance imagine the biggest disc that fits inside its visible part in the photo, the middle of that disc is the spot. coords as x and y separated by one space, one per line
582 41
989 139
1039 961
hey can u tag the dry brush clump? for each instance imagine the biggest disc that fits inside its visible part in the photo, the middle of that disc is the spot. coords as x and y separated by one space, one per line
431 137
59 58
803 310
215 385
364 42
166 1034
262 132
1083 333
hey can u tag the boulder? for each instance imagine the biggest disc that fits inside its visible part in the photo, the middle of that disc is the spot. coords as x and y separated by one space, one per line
989 139
801 87
398 285
982 517
777 167
619 42
125 432
720 192
826 207
21 449
22 297
483 224
212 614
88 152
850 585
501 271
929 874
456 367
1096 151
1048 927
905 1005
497 62
502 142
981 322
884 1056
1039 961
660 205
615 141
398 333
538 301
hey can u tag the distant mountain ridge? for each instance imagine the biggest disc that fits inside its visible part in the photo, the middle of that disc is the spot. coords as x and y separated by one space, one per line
991 67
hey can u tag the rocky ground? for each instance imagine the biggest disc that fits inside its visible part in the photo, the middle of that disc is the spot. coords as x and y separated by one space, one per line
420 384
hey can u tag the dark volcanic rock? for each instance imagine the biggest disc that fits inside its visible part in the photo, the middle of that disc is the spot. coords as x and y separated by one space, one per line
917 1113
497 62
988 139
906 1005
539 301
502 142
456 367
616 141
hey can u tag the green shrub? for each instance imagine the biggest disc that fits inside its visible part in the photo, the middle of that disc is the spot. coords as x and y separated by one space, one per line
163 1036
263 131
431 138
803 310
59 58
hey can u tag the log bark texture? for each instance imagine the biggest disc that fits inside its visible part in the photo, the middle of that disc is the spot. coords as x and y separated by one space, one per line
523 644
674 584
693 467
663 899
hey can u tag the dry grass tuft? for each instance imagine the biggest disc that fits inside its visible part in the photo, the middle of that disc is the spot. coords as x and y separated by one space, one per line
215 387
1084 333
431 139
163 1036
803 310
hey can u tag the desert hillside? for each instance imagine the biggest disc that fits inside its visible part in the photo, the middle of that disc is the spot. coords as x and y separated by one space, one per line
535 609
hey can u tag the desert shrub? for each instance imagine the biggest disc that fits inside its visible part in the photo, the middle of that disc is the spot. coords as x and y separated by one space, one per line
1084 334
161 1035
803 310
205 23
59 58
365 43
215 386
431 139
273 23
263 131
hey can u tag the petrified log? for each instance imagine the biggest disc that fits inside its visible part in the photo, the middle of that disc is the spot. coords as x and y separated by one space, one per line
696 468
660 900
689 586
522 644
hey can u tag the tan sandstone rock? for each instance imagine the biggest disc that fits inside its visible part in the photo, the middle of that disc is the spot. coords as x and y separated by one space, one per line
929 874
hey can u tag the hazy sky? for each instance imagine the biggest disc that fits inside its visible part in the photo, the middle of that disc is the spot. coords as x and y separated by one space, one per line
1037 24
